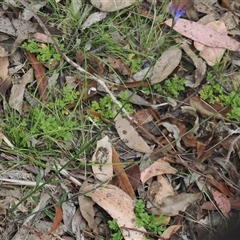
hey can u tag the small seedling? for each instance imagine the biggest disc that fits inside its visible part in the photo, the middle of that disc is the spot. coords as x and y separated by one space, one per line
105 105
169 88
214 93
52 121
44 52
150 222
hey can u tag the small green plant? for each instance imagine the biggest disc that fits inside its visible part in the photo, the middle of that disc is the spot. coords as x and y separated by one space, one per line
169 88
44 52
150 222
106 104
52 122
116 235
214 92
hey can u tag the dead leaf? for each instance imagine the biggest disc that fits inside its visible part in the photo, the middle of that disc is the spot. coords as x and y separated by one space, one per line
180 4
78 224
16 27
39 72
209 54
136 99
5 81
119 206
203 34
110 5
157 168
142 116
130 136
165 65
17 91
225 4
204 108
125 184
87 211
102 160
134 174
57 219
222 202
220 186
94 18
170 231
68 209
172 205
159 190
198 62
22 232
119 66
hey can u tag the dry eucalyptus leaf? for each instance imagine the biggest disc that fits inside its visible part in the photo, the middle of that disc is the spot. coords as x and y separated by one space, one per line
203 34
170 231
86 208
165 65
172 205
157 168
119 206
130 136
111 5
198 62
102 160
16 27
69 210
159 190
119 65
222 202
94 18
36 5
209 54
136 99
4 63
17 91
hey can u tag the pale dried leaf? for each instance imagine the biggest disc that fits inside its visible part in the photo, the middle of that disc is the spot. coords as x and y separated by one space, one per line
102 160
94 18
175 131
87 211
78 224
172 205
23 230
3 53
198 62
36 5
119 206
203 34
69 210
165 65
130 136
136 99
209 54
159 190
111 5
16 27
170 231
17 91
4 63
157 168
5 139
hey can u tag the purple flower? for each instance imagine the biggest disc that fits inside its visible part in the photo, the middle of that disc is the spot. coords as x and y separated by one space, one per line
176 13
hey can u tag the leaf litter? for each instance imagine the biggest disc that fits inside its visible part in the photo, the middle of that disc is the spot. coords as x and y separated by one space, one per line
132 118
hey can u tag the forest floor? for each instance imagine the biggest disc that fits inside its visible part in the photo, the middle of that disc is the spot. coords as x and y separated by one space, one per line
118 122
